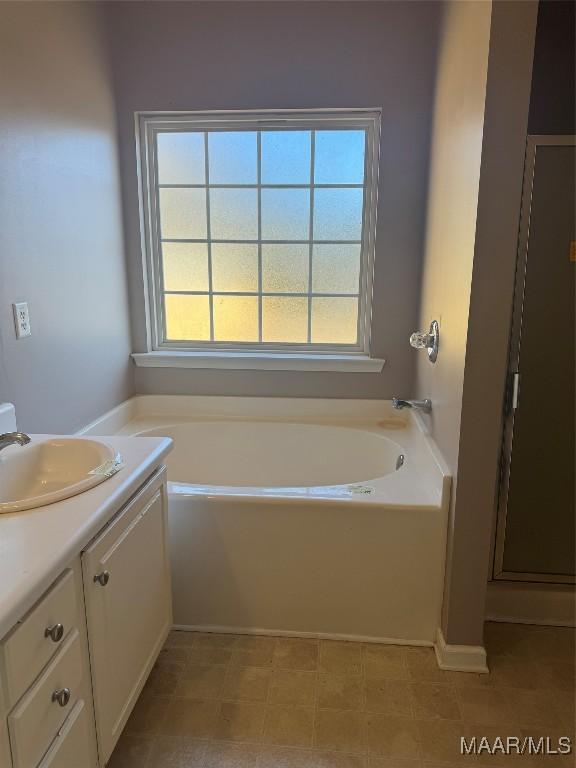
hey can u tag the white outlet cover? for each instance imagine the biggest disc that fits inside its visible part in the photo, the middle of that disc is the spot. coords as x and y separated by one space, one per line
21 320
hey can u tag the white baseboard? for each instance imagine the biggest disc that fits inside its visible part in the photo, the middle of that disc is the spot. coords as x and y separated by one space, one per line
213 628
459 658
522 603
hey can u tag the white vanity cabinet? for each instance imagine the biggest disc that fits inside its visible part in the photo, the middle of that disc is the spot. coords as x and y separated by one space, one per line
45 679
128 607
72 668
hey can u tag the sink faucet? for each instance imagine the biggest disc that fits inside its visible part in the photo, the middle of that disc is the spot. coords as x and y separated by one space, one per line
13 438
421 405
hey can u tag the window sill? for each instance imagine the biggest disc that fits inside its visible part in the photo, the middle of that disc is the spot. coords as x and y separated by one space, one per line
250 361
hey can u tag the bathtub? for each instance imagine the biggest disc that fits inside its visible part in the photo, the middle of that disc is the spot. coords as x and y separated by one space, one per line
319 518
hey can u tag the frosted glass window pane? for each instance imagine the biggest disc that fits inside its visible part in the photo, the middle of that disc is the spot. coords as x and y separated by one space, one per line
183 213
335 268
285 214
187 318
285 268
334 321
234 267
339 157
286 157
233 157
235 318
338 214
285 319
234 214
185 266
181 158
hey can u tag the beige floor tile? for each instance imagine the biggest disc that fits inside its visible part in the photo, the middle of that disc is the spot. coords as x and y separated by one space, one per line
340 691
254 651
179 637
164 678
339 731
289 726
440 741
247 684
148 715
512 672
422 666
215 640
531 707
484 706
435 701
393 762
208 655
289 757
556 675
290 686
505 639
177 752
173 654
191 718
566 708
240 721
229 755
491 733
554 734
389 697
340 657
296 653
201 682
385 661
391 736
557 643
132 751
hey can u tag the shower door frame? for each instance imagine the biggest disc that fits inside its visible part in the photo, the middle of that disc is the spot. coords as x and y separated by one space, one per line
499 573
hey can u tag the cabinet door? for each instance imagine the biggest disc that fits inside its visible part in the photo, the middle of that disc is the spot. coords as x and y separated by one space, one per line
128 608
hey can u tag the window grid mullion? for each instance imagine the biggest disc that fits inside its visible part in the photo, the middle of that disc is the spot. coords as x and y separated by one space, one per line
208 236
311 232
259 172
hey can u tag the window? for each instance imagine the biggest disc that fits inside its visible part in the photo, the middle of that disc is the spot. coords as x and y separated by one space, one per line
260 230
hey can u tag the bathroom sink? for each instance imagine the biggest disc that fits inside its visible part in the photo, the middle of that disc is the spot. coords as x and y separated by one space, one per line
52 470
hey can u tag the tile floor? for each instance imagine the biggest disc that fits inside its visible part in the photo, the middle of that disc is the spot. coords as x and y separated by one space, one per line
224 701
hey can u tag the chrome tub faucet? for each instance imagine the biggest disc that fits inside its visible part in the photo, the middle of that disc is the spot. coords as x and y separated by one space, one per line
13 438
420 405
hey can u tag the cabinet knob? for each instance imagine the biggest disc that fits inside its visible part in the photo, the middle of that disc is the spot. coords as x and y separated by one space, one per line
102 578
55 632
62 696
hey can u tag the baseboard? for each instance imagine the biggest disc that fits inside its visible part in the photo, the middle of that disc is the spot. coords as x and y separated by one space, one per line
459 658
522 603
213 628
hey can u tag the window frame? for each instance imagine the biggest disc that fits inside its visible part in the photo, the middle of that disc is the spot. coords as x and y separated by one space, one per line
148 124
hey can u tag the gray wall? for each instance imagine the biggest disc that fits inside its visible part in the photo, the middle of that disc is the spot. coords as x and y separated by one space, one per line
187 56
488 319
61 243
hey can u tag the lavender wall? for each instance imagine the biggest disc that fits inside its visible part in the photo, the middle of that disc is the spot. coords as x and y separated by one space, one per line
199 55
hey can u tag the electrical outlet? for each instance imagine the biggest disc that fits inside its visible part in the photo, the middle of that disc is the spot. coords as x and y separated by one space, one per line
21 320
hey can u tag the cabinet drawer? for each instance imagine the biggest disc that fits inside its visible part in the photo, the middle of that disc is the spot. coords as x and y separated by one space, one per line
28 648
72 747
35 722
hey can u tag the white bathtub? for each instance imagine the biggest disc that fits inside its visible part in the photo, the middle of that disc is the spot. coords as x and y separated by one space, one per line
290 516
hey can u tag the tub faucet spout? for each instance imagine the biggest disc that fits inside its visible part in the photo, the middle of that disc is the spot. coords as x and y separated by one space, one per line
13 438
421 405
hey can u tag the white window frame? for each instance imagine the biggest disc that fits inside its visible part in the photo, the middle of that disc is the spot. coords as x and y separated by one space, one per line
284 356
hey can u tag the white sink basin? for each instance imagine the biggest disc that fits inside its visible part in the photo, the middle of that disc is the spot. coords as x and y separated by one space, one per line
51 470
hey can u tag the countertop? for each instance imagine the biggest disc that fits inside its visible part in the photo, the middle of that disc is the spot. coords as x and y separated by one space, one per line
37 544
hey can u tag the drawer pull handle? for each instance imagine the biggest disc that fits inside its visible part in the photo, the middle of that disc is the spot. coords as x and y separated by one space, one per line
62 696
55 633
102 578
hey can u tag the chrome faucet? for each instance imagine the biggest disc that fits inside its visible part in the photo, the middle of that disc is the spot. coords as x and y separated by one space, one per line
421 405
13 438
